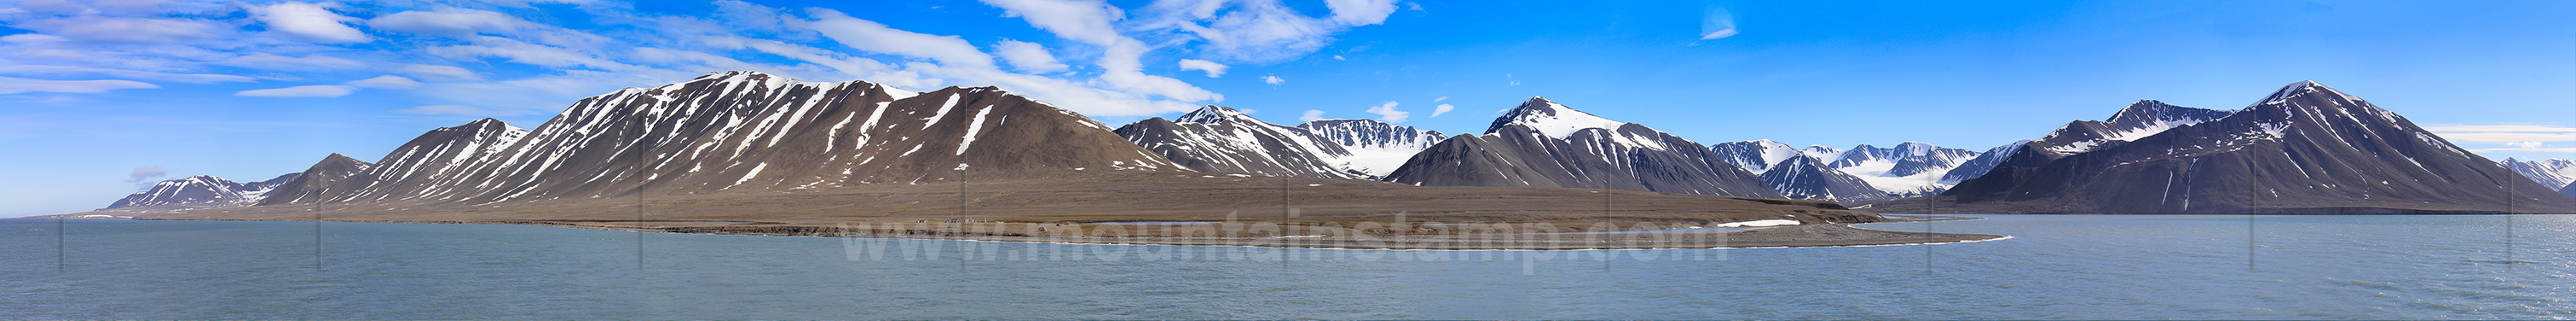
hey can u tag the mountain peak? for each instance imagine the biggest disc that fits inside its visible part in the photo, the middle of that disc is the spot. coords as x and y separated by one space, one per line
2302 88
1213 114
1550 118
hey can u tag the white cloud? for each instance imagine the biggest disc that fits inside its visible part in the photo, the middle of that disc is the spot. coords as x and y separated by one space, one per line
1440 99
1442 109
2526 144
1121 58
1716 23
126 30
1261 31
146 174
1360 12
1311 115
1388 113
876 37
32 38
309 22
447 21
441 73
461 110
130 7
1085 21
1273 79
276 62
532 54
300 91
387 82
119 73
2500 134
1028 57
1212 68
22 85
2499 128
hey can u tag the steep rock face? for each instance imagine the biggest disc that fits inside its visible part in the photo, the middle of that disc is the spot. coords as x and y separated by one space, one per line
1986 161
1910 169
1754 155
1803 177
314 182
1224 140
1822 153
2137 120
1376 148
746 131
200 192
2304 149
1544 144
2549 172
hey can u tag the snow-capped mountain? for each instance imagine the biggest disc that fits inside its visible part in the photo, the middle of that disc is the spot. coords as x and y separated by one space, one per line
2138 120
1984 162
1803 177
200 192
1907 170
1910 169
1544 144
308 186
2304 149
740 131
2549 172
1224 140
1376 148
1822 152
1754 155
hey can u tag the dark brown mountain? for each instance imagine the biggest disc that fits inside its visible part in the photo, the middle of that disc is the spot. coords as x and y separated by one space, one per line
745 130
1223 140
200 192
1803 177
2306 149
1544 144
315 181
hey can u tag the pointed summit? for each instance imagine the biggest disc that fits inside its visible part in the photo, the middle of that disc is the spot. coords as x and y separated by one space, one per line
2302 88
1544 144
2305 149
1552 119
1803 177
1214 114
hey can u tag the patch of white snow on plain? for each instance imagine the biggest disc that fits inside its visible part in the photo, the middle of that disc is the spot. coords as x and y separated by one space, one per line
1760 223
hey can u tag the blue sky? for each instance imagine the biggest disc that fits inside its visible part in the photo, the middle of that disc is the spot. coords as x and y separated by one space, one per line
98 95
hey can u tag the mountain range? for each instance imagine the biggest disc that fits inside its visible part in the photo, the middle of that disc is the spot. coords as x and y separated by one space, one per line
1544 144
1224 140
1910 169
743 131
2304 149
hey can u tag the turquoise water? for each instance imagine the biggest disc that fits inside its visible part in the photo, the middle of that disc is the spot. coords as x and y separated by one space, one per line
2055 267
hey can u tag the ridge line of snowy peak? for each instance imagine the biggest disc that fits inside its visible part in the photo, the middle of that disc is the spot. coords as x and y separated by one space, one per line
1223 139
1910 169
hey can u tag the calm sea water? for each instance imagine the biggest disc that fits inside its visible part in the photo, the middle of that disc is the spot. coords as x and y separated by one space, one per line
2055 267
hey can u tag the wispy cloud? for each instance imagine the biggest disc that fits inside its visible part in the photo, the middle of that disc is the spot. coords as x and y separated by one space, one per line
146 174
2509 137
22 85
500 57
1388 113
300 91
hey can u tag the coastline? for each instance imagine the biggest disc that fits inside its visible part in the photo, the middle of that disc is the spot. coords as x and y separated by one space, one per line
1452 236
